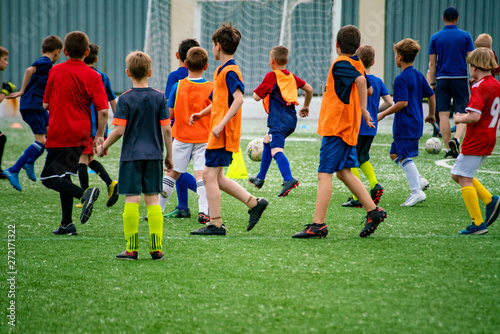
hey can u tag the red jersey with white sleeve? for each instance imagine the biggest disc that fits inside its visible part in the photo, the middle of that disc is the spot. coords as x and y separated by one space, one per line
71 89
480 137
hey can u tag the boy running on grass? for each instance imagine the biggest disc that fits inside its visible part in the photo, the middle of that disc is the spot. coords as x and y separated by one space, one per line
480 138
224 138
343 104
141 118
278 91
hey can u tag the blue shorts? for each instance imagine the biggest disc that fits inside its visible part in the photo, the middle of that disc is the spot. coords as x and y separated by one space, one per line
140 177
38 120
336 155
446 89
278 136
405 148
218 158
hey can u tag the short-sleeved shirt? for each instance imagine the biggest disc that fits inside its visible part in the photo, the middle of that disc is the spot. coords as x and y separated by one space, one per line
142 111
480 137
109 93
71 88
174 77
410 86
372 104
33 95
451 46
280 112
344 75
233 82
173 91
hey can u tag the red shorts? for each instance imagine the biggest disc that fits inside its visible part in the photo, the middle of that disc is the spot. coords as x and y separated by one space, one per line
89 149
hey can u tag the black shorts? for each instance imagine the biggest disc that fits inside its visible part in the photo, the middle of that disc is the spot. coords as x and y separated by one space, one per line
140 177
61 161
458 89
363 148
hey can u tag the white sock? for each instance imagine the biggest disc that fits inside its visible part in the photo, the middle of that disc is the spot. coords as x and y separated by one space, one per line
202 197
168 187
412 174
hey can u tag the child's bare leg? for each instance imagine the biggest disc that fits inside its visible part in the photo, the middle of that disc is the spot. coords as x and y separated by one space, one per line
357 188
211 181
234 189
323 196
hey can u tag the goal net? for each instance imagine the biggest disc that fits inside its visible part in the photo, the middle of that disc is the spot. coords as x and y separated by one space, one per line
304 26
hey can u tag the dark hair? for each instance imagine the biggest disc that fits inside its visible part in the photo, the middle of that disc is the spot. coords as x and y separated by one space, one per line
408 49
76 44
349 38
367 55
450 14
184 47
51 43
279 54
138 64
94 51
228 37
196 59
3 51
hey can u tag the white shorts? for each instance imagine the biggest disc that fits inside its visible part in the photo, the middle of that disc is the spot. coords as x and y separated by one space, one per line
467 165
183 152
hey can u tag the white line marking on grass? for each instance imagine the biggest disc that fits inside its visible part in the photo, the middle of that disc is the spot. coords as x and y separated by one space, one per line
444 163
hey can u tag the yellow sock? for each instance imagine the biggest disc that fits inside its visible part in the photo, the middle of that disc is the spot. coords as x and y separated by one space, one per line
367 169
131 226
482 192
471 202
355 172
155 221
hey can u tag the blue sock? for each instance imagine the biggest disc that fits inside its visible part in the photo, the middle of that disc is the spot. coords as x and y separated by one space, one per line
284 166
184 182
265 162
29 156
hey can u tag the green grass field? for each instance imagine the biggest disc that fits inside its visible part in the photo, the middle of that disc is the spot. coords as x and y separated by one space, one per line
415 274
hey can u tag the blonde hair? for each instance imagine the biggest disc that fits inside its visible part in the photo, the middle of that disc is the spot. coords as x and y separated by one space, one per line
138 64
408 49
279 54
483 59
367 55
483 40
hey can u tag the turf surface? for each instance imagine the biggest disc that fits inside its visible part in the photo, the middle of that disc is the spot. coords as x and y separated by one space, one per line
415 274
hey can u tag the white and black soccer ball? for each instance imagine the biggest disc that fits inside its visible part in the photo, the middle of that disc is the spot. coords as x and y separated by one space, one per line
433 145
255 149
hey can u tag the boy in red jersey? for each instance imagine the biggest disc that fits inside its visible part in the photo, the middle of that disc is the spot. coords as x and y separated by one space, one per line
278 91
344 101
71 88
480 138
187 96
224 138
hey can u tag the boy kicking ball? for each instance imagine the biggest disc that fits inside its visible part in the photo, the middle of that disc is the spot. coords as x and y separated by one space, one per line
480 138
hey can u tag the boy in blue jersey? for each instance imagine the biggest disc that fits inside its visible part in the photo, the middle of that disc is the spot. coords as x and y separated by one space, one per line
185 181
410 87
448 51
278 91
142 118
87 157
31 93
6 89
366 54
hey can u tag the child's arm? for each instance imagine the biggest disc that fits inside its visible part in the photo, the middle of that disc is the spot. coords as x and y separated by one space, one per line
116 134
196 116
113 105
304 111
387 103
431 118
102 121
167 138
26 79
256 97
468 118
233 109
395 108
363 92
171 111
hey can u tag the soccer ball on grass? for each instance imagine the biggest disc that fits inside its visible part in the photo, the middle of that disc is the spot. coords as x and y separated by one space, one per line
255 149
433 145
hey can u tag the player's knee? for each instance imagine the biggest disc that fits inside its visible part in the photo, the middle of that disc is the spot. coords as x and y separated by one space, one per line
455 178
